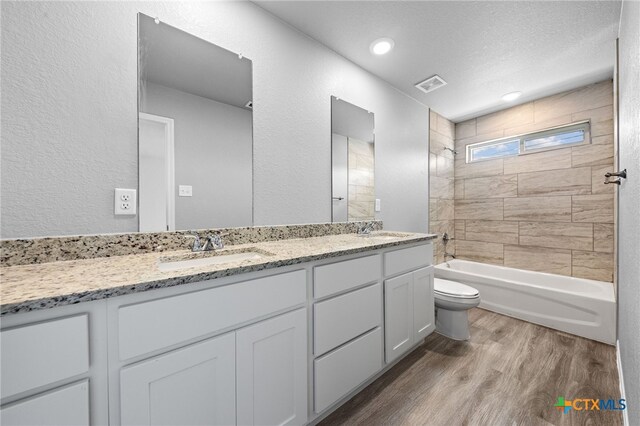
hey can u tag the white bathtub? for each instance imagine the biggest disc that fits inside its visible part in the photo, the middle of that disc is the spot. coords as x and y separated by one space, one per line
586 308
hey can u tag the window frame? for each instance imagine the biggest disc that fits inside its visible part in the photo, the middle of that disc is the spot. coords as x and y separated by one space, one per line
584 125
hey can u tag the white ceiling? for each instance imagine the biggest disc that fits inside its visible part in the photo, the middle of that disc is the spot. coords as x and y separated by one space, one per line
482 49
176 59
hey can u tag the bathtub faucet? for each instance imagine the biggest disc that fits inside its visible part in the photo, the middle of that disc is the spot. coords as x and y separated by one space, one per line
453 256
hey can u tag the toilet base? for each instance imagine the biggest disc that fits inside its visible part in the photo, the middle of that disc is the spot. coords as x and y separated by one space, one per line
452 324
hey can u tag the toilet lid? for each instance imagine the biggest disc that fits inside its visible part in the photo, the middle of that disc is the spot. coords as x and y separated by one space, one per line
454 289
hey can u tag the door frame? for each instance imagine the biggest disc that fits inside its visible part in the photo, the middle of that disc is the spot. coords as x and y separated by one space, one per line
169 164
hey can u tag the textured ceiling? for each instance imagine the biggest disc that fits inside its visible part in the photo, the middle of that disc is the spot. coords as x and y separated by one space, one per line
482 49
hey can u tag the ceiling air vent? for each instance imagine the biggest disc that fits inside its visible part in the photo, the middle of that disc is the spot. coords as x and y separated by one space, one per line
431 84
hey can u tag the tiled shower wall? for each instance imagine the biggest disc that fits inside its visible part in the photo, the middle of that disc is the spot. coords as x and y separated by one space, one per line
441 178
548 211
361 186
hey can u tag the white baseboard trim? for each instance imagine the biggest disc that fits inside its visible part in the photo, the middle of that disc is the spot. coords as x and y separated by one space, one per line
625 413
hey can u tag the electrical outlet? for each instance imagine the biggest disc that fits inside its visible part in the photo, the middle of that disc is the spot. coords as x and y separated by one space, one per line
125 201
377 206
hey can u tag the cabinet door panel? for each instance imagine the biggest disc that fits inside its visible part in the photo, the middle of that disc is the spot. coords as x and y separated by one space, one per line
64 406
272 371
194 385
398 320
423 307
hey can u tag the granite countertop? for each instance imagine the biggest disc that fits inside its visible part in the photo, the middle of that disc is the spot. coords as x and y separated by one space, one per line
45 285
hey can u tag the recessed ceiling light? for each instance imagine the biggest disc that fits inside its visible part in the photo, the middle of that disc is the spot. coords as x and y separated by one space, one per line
511 96
381 46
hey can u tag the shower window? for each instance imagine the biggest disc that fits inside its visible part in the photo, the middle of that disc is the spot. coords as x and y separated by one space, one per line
557 137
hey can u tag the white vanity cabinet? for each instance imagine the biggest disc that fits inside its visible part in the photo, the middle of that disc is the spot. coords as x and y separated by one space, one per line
195 385
408 299
53 367
231 354
347 329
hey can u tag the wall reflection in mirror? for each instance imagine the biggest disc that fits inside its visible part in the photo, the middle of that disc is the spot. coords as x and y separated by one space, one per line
352 162
195 132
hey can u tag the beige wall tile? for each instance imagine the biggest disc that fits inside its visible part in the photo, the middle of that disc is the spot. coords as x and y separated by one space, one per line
594 115
597 180
459 189
593 266
592 208
441 226
445 166
445 127
555 182
496 231
438 143
540 161
462 143
576 236
592 96
511 117
444 210
555 261
500 186
433 164
460 233
441 187
479 251
433 210
603 237
466 129
591 155
601 128
479 169
602 140
538 126
490 209
433 120
541 209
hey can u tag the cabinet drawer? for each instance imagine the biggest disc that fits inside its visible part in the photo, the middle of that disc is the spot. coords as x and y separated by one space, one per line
40 354
63 406
169 321
341 276
341 371
342 318
406 260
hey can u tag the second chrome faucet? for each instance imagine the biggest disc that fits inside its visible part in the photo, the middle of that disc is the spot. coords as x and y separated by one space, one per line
212 242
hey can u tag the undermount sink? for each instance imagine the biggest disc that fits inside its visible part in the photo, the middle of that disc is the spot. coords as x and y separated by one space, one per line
385 235
193 260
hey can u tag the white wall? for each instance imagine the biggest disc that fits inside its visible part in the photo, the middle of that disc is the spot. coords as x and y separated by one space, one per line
213 154
629 206
69 116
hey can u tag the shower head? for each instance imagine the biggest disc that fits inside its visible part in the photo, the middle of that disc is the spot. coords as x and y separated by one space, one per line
446 148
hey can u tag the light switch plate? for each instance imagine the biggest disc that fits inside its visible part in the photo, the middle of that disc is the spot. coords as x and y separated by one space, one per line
125 201
377 204
185 190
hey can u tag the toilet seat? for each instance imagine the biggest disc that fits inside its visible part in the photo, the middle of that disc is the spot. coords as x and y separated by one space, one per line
452 289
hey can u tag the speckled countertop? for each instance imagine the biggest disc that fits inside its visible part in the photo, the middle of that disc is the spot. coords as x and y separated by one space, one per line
45 285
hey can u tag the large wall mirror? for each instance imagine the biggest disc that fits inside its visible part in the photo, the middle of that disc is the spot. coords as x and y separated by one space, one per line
352 162
195 139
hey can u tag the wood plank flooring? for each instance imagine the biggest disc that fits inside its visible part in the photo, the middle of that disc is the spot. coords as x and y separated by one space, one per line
510 373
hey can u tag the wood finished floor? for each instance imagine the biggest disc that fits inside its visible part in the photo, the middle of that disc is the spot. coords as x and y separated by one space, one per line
510 373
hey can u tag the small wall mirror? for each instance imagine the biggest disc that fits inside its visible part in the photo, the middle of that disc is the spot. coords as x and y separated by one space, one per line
352 162
195 139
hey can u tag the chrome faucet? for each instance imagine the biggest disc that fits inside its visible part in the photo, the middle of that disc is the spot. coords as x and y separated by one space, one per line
366 229
453 256
213 242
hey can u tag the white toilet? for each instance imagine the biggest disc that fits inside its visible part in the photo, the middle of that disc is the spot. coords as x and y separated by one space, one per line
453 300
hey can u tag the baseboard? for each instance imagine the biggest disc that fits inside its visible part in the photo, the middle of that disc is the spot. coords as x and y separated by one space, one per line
625 413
